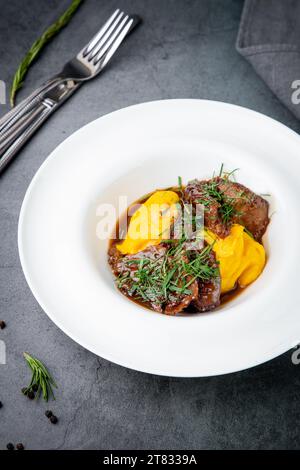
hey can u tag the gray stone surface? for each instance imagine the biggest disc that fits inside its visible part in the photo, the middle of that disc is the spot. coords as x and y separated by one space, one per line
184 49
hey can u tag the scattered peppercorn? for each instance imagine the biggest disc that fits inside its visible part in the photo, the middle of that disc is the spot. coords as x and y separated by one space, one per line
53 419
48 413
20 446
1 404
31 395
2 324
10 446
35 387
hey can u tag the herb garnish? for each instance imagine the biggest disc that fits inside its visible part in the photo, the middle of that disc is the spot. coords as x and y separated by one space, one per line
41 380
38 45
159 280
248 232
221 170
212 191
227 174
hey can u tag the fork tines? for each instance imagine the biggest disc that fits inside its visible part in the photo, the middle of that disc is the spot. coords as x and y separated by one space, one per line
108 37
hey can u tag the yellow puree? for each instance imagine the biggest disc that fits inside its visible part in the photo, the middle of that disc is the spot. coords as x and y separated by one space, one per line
241 258
151 222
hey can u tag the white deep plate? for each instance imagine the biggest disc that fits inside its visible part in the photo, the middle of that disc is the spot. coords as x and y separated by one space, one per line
132 152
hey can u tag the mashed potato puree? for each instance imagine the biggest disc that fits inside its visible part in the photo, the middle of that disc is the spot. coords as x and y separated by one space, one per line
241 258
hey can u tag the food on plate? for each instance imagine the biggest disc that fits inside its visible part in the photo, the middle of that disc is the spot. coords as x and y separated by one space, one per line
187 247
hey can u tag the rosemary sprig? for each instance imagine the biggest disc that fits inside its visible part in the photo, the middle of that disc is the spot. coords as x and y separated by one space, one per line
41 380
38 45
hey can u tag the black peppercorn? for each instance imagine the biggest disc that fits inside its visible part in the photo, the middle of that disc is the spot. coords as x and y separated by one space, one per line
48 413
2 324
53 419
31 395
20 446
1 404
10 446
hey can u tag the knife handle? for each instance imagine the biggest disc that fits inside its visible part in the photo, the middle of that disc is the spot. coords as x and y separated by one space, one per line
18 132
24 106
19 127
21 139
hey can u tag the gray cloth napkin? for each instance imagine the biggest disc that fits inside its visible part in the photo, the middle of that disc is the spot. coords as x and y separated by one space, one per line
269 38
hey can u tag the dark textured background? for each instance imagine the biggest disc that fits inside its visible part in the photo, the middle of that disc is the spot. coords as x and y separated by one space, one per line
185 49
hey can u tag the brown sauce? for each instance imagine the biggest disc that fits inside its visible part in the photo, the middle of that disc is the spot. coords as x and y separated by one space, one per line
231 295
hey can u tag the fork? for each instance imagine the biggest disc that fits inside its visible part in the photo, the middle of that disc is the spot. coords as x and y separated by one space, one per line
19 124
101 48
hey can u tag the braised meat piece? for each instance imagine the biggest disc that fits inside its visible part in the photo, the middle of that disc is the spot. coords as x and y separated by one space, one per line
201 192
226 202
250 210
144 276
209 291
130 263
126 269
181 302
